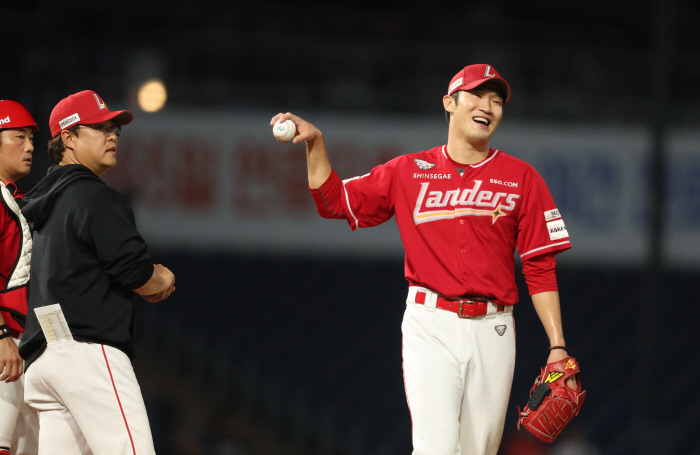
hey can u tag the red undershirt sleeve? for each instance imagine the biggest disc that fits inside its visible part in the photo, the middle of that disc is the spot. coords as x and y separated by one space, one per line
540 273
327 197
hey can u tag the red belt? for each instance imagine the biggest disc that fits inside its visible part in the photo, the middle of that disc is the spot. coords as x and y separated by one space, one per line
465 308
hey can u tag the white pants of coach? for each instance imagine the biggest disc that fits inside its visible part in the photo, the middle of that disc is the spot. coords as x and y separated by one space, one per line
88 401
458 375
19 427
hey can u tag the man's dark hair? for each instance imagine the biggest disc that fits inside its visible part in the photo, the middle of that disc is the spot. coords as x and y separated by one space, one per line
455 98
56 146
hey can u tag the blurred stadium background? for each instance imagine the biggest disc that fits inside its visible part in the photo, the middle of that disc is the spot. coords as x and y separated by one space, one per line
283 336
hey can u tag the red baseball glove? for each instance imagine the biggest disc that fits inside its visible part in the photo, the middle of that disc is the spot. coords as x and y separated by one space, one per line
552 403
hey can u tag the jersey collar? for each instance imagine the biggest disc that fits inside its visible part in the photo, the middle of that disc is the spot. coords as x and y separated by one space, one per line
492 153
12 188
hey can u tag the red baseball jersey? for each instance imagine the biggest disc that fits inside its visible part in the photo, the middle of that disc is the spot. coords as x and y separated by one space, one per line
15 256
460 232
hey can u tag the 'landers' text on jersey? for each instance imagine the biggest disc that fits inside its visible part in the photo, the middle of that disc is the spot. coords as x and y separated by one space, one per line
464 203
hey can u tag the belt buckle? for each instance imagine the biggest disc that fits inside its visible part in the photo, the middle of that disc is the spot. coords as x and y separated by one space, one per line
472 311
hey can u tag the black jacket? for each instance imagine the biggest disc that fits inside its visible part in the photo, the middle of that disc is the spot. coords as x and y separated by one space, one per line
87 256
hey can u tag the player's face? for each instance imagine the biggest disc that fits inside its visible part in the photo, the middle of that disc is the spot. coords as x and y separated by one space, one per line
96 146
477 114
16 153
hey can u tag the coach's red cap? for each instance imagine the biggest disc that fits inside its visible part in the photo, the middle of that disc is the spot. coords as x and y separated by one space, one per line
14 115
84 108
474 75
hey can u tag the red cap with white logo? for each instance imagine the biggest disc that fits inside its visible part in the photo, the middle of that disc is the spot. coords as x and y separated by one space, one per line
14 115
84 108
473 76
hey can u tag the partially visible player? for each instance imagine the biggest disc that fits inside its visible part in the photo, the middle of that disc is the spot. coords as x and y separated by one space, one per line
89 266
462 210
18 425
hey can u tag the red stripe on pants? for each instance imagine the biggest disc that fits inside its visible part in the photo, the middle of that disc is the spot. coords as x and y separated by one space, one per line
118 401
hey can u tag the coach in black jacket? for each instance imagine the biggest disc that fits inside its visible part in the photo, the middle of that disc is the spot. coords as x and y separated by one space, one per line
89 264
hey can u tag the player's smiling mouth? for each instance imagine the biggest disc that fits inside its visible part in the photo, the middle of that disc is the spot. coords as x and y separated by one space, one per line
482 120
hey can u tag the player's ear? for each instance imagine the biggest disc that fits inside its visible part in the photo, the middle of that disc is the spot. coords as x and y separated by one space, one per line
67 139
449 103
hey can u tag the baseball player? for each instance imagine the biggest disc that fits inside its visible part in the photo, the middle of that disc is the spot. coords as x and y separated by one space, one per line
18 426
88 266
462 210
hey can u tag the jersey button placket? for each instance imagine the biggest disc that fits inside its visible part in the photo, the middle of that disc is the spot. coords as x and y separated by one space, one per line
463 233
461 237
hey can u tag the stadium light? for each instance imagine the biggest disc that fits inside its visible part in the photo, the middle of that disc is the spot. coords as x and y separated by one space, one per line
152 95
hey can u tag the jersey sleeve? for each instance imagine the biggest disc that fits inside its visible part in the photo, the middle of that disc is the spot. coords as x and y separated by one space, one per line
9 245
541 229
540 273
327 197
119 246
369 200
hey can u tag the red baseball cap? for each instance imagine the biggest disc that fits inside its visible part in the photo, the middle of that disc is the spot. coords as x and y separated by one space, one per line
473 76
84 108
14 115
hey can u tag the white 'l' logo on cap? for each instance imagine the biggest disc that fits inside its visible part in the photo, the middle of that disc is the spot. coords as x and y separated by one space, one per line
488 70
100 105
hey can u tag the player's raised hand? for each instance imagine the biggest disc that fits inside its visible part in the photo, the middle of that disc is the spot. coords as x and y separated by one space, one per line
305 130
318 165
10 360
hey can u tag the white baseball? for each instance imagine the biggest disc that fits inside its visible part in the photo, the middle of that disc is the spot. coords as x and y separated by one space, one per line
284 131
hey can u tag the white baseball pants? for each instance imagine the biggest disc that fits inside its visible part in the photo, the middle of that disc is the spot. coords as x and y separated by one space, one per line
19 426
88 401
458 375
